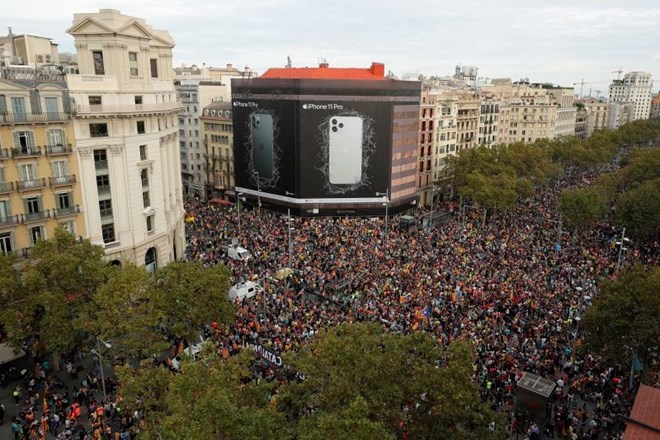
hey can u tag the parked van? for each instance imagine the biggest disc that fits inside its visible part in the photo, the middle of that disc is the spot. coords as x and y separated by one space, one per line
236 252
247 289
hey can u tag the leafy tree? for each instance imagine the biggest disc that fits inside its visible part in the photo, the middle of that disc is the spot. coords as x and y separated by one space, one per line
189 296
126 313
581 206
624 318
638 209
57 285
397 378
641 165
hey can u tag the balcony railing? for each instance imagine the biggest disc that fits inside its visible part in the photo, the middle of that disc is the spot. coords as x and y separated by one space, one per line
62 180
62 212
23 253
53 150
6 187
127 108
24 118
25 185
26 151
103 189
105 213
35 216
9 220
4 153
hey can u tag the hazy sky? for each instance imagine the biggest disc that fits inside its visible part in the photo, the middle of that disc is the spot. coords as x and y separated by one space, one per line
559 41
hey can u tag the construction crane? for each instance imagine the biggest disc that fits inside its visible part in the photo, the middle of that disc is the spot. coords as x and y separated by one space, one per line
583 82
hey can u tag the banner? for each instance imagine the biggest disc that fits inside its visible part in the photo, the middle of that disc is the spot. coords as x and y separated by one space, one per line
265 353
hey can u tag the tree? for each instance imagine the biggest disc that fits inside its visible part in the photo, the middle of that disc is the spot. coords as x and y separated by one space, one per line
637 210
126 313
641 165
623 319
57 285
581 206
189 296
394 380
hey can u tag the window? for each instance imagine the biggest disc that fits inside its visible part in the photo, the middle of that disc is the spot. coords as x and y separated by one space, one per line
95 100
143 152
5 210
6 245
24 141
56 138
146 202
52 109
140 127
150 223
64 200
98 130
108 232
133 63
138 99
18 104
153 62
144 177
97 57
68 227
28 172
33 208
105 207
103 182
60 171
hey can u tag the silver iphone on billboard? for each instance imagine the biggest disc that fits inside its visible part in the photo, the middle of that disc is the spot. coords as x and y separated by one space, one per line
345 150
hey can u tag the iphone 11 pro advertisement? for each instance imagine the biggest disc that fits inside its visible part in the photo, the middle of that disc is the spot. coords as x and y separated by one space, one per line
313 149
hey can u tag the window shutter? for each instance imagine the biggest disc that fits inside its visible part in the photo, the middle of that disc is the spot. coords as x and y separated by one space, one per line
17 142
3 104
35 102
66 101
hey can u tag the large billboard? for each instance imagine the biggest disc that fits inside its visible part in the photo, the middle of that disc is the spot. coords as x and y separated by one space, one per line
313 149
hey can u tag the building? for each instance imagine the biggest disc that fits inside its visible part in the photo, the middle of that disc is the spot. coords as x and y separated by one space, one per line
597 114
327 141
126 129
467 119
619 113
635 88
581 122
29 50
564 98
218 139
655 106
489 113
39 185
426 143
195 93
644 420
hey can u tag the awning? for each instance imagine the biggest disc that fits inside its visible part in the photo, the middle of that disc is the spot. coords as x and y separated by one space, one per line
220 202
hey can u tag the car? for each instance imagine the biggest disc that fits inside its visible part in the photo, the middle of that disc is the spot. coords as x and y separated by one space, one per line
192 351
246 289
236 252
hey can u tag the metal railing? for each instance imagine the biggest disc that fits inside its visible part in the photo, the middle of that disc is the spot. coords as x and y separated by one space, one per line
71 210
6 187
18 118
4 153
62 180
24 185
107 212
52 150
127 108
26 151
35 216
9 220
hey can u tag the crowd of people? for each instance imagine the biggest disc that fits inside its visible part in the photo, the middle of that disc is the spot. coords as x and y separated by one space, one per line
515 285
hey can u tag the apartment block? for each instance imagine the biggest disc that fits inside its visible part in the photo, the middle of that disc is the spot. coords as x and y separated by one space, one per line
489 114
218 139
39 185
426 141
655 106
126 126
635 88
566 112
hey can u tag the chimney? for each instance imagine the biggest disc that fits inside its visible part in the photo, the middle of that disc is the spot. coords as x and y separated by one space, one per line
229 66
378 69
324 65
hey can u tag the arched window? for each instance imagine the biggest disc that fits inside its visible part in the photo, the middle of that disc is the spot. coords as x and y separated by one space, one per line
150 260
116 263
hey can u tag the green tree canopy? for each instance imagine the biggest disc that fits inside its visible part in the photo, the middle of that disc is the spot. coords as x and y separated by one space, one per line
624 318
638 210
582 206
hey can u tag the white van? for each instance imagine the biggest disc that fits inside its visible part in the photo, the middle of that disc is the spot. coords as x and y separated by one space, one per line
236 252
248 289
192 350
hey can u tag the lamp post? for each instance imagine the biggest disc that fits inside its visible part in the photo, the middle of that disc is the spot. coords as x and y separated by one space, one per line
621 248
106 344
288 228
386 194
238 210
256 173
430 224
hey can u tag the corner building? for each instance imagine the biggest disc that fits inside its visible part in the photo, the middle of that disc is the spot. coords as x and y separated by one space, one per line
126 129
327 141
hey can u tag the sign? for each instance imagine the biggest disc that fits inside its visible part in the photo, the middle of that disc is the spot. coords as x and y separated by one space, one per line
265 353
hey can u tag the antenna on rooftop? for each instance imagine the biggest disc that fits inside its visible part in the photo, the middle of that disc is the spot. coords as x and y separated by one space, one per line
288 62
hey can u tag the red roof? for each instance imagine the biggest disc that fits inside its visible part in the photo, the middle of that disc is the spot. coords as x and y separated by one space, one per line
375 72
646 412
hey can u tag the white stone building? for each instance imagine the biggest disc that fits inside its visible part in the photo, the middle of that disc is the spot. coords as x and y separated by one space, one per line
635 88
126 127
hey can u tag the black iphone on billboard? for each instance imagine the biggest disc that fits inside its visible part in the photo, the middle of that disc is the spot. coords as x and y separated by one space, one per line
261 132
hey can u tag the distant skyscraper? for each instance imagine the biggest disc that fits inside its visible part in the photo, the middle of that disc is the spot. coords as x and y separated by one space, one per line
127 137
635 88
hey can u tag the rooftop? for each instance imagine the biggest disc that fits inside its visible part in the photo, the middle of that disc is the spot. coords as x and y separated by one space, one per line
324 71
644 421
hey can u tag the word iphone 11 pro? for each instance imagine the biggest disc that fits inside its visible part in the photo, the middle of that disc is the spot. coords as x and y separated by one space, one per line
261 133
345 150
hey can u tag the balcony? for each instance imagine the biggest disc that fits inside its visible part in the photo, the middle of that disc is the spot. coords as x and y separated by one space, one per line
106 213
54 150
26 185
4 153
107 109
35 216
62 180
63 212
26 152
30 118
6 187
9 220
103 189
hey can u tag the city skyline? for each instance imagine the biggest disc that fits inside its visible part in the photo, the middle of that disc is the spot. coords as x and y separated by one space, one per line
562 42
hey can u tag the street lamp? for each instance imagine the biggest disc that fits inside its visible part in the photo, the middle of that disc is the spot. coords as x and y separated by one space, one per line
624 239
386 195
429 226
106 344
256 173
289 228
238 210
